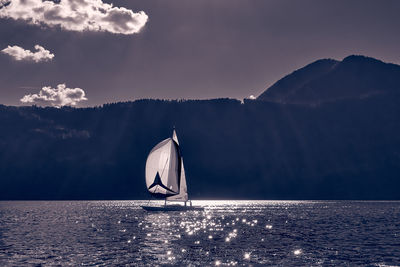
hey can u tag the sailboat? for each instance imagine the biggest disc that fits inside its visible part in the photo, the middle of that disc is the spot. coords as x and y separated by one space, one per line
165 176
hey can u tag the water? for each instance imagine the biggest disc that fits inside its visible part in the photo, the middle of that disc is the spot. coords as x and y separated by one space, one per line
227 233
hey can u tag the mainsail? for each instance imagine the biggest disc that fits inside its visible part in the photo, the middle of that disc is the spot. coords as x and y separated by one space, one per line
183 195
165 174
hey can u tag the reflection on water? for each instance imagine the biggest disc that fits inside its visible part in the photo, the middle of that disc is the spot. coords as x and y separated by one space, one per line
226 233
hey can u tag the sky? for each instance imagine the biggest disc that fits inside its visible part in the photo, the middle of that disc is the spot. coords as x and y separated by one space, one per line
90 52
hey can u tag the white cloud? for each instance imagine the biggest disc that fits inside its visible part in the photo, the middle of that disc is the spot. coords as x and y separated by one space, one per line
56 97
18 53
252 97
75 15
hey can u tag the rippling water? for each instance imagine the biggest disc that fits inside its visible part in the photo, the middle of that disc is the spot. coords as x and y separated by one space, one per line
227 233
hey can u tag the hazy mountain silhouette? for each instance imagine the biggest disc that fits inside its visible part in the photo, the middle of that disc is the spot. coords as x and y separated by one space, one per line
330 80
345 147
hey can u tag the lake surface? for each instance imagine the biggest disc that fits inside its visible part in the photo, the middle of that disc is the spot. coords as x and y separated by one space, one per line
227 233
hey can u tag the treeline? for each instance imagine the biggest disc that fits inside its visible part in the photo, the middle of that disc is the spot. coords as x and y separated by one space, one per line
347 149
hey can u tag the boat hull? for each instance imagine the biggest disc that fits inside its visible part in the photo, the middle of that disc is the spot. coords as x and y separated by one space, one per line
172 208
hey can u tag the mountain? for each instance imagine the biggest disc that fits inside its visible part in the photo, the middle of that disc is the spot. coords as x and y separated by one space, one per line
347 149
327 80
326 131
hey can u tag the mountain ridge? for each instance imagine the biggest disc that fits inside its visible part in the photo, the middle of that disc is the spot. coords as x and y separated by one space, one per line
328 80
345 148
233 150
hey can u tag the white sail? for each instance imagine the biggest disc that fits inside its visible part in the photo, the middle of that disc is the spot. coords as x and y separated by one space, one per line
175 137
162 169
183 195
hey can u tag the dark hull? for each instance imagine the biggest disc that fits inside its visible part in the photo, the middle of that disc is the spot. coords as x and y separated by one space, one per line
172 208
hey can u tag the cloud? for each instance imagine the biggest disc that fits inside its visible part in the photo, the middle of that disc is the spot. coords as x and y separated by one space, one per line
75 15
56 97
18 53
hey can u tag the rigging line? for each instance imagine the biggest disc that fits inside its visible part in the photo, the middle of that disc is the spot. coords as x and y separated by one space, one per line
165 165
155 188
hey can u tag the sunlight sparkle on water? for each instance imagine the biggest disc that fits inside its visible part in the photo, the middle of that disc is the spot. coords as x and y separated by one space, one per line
297 252
219 237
